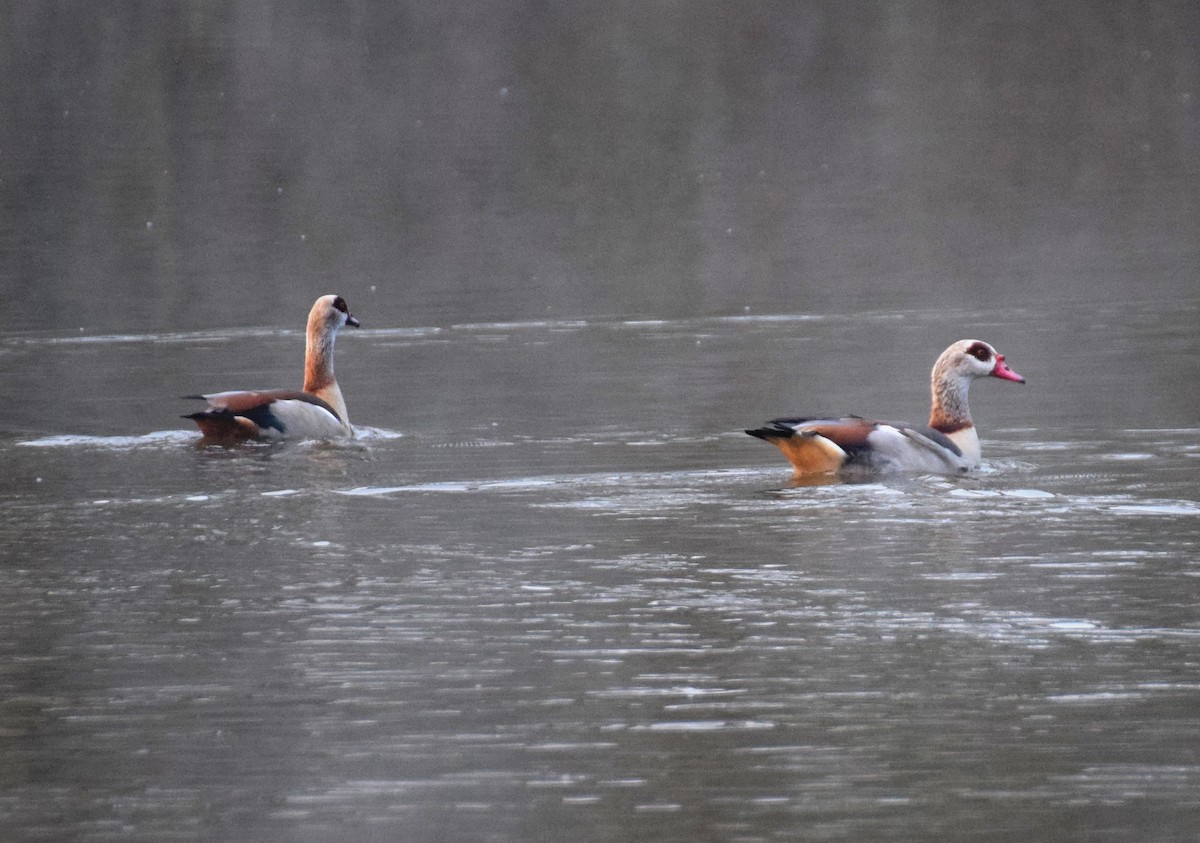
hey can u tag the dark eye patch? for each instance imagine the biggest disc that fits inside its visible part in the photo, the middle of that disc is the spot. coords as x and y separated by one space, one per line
340 304
980 352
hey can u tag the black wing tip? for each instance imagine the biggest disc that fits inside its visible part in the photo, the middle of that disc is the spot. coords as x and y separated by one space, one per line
776 431
785 427
209 414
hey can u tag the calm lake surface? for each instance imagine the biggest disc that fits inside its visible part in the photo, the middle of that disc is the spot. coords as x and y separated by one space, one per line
552 591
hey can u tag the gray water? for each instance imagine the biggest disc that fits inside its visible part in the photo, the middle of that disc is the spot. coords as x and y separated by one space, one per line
552 591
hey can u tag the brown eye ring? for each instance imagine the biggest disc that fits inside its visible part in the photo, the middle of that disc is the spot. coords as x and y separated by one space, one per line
980 352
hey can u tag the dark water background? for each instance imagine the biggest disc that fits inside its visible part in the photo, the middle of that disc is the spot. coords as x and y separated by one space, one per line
552 591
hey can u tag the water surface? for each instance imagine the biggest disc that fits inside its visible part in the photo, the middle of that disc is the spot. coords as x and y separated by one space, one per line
580 599
552 591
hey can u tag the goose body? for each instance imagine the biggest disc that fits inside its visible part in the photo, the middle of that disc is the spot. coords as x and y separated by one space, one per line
317 411
949 444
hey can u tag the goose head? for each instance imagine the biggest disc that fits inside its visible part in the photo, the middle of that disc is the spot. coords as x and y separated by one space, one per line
966 360
328 314
955 369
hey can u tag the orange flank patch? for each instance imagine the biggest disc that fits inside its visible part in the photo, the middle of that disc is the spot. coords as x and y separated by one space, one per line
810 454
224 427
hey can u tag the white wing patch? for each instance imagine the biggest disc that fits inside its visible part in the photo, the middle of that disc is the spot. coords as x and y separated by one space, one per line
302 419
905 449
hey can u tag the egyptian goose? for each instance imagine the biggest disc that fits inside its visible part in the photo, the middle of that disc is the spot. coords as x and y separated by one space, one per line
316 412
949 445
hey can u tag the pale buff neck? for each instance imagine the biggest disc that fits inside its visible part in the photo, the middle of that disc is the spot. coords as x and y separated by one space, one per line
950 410
318 355
318 366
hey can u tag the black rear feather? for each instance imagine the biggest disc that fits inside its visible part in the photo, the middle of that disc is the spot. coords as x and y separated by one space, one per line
786 428
777 431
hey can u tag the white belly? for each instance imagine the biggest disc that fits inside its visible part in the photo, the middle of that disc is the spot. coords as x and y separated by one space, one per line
904 449
967 441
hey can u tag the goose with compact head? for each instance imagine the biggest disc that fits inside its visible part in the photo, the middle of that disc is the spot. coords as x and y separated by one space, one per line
318 411
949 445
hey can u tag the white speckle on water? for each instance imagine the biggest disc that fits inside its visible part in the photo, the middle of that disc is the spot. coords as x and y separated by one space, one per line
1158 509
157 438
1026 494
974 493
